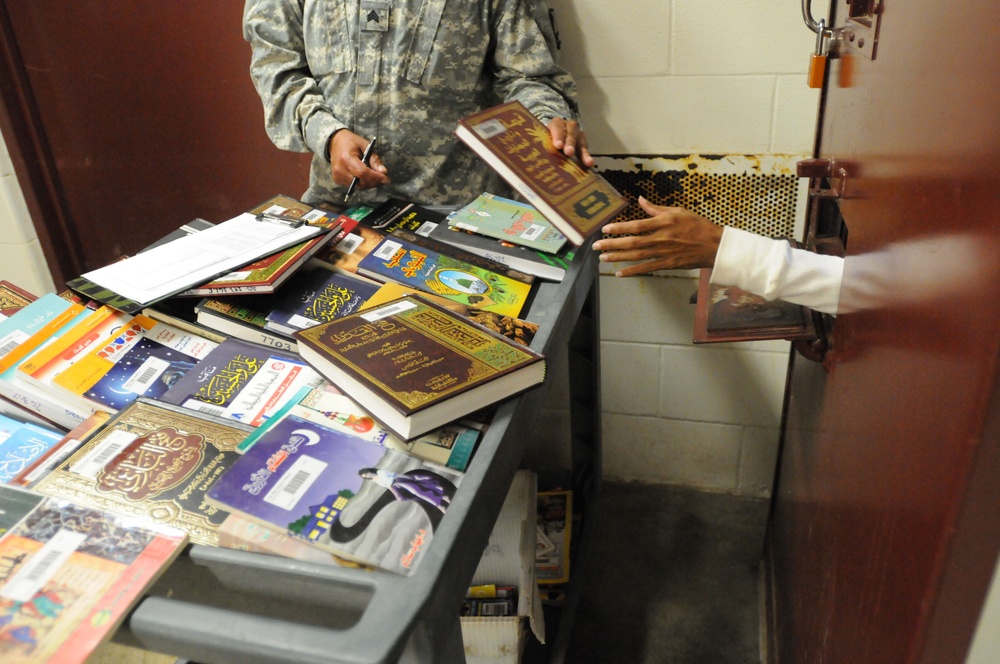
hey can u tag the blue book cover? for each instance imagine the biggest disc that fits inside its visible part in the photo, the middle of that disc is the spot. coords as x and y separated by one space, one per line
242 381
353 498
148 369
318 296
20 444
30 319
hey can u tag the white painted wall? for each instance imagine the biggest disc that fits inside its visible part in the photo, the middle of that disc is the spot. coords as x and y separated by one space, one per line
656 77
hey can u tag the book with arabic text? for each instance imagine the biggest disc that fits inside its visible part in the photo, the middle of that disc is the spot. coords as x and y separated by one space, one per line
576 200
69 574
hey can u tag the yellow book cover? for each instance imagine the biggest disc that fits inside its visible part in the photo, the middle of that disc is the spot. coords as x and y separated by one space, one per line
51 360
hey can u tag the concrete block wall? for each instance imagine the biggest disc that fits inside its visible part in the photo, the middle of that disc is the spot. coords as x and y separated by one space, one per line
681 77
656 77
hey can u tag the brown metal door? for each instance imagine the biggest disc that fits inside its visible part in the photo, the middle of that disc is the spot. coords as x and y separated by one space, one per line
886 522
126 119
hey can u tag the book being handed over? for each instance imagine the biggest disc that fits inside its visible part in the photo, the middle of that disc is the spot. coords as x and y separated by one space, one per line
416 366
517 146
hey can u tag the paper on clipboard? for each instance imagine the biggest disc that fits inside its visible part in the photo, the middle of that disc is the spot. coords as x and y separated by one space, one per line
198 258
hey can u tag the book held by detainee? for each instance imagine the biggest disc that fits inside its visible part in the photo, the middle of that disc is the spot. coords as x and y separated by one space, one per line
516 144
416 366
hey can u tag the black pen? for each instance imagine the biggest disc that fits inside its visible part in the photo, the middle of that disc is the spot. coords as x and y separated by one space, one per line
365 158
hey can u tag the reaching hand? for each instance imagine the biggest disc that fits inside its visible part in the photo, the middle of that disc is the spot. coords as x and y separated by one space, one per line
346 149
669 239
567 136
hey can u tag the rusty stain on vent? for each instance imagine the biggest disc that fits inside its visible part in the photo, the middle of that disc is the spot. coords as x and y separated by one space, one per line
757 193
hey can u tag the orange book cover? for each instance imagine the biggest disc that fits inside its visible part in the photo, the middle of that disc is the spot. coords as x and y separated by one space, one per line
69 574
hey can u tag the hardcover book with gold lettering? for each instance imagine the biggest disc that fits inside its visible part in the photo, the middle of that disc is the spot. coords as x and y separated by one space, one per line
416 366
153 460
576 200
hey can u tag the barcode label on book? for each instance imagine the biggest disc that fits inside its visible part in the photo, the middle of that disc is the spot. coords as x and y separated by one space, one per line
11 341
57 457
95 460
146 375
301 322
533 232
426 228
490 128
388 310
350 243
314 215
295 482
203 407
42 566
387 250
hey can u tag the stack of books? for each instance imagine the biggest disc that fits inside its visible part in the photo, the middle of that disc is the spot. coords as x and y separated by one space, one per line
316 390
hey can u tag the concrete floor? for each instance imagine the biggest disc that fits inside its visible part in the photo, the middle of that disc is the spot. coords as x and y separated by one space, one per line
673 578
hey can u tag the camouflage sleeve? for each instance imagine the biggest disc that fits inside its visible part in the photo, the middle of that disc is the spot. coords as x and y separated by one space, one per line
296 115
524 61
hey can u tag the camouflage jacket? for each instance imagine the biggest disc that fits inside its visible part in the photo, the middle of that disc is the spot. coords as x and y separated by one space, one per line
404 71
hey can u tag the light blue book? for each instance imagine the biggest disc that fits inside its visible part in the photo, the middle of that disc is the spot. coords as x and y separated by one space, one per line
28 320
21 444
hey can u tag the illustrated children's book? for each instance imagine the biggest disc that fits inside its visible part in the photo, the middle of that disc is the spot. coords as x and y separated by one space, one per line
403 262
69 575
69 443
358 500
510 220
576 200
416 366
242 381
143 357
451 446
551 267
152 460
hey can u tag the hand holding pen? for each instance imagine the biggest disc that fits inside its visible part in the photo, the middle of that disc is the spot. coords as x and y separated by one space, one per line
354 162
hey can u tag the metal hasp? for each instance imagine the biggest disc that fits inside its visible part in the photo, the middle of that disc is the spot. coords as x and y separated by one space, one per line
821 173
860 31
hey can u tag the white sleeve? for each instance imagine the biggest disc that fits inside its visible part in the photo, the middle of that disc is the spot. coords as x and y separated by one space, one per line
774 270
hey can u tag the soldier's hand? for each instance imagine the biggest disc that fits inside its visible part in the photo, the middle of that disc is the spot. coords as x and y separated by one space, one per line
346 149
568 137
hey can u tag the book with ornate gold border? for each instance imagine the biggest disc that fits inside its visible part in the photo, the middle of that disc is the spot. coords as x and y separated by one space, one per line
515 143
153 460
416 366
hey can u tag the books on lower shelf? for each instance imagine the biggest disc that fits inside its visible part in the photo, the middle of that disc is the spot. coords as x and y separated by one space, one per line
358 500
69 574
416 366
555 524
517 146
152 460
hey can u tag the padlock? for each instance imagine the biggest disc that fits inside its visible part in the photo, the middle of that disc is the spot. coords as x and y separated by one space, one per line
817 61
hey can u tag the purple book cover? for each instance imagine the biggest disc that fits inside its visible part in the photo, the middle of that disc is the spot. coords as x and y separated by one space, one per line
353 498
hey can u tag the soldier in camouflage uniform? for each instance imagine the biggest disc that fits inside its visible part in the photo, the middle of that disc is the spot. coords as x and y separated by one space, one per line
334 73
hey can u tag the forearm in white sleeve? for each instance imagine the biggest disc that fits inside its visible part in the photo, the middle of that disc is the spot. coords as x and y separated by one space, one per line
774 270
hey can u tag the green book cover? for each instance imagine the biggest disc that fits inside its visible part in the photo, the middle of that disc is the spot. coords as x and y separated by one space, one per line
508 220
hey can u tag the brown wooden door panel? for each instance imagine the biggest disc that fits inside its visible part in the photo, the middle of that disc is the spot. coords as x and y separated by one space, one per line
884 534
145 117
